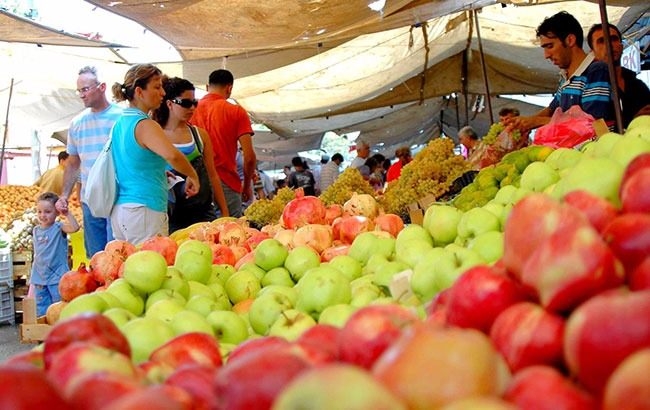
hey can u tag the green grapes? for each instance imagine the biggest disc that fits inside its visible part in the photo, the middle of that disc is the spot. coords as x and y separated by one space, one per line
349 182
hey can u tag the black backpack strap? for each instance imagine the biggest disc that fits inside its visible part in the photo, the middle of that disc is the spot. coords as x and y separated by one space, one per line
197 138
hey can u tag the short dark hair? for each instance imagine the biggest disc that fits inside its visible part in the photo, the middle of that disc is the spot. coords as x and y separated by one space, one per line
508 110
221 77
337 157
50 197
596 27
560 25
63 155
297 162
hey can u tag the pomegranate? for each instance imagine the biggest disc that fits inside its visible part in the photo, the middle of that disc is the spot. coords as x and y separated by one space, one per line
164 245
303 210
390 223
75 283
362 204
105 266
332 212
346 228
232 233
123 248
316 236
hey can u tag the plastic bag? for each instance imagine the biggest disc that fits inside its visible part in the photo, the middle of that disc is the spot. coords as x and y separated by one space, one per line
567 129
100 190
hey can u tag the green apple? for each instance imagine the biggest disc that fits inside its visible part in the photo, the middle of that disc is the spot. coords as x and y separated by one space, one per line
640 123
242 285
489 245
289 291
412 251
299 260
187 321
198 288
505 195
228 327
270 253
266 309
538 176
277 276
563 158
131 300
600 176
164 310
291 324
363 294
111 300
477 221
145 335
221 296
119 316
321 287
259 272
367 244
174 280
373 263
423 281
411 231
441 221
383 275
336 315
145 271
347 265
202 304
628 148
86 303
602 146
222 272
496 209
194 261
161 294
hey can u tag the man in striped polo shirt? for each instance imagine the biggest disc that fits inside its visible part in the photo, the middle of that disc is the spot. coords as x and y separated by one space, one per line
585 82
87 135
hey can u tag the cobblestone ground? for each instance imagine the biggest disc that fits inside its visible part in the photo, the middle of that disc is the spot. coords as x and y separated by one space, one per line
10 343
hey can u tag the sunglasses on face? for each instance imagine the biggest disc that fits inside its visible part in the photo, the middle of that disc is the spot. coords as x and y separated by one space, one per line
186 102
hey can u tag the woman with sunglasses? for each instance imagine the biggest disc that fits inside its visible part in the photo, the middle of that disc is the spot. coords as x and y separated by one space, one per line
141 151
173 115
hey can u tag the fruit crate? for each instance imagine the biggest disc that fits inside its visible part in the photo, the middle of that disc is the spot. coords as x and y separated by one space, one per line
33 329
21 264
7 313
6 267
417 209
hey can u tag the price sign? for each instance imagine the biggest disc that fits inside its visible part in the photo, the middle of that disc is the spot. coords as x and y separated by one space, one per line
631 58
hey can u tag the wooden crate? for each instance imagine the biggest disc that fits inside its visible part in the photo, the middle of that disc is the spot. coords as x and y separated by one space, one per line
417 209
22 264
33 329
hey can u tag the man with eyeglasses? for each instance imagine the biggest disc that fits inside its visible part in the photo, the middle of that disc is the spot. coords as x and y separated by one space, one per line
228 125
633 93
87 135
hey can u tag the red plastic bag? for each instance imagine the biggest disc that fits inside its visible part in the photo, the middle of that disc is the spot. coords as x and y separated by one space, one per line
566 129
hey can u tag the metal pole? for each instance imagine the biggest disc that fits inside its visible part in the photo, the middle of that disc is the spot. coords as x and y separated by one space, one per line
485 76
610 66
6 132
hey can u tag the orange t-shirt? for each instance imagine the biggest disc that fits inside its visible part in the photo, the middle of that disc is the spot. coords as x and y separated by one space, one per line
394 171
225 123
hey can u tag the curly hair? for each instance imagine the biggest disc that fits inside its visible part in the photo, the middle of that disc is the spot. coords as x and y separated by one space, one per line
173 86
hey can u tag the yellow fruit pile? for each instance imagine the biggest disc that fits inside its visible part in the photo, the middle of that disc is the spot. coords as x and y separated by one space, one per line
14 200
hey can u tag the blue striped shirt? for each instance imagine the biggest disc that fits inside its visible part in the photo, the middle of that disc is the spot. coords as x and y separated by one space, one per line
588 87
87 135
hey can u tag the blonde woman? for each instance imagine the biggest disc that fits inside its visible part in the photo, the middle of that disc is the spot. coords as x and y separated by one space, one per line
141 152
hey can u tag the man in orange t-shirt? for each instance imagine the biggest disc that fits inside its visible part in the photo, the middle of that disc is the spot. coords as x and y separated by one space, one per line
228 125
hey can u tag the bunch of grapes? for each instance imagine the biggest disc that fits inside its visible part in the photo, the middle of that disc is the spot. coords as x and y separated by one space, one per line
493 133
268 211
284 195
431 172
349 182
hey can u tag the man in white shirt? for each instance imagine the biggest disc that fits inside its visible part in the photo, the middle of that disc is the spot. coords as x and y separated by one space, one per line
363 152
330 171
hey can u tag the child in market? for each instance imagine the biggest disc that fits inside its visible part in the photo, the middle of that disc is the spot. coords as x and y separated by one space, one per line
50 250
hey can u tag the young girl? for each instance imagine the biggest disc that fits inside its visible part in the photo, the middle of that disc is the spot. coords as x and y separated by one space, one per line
50 251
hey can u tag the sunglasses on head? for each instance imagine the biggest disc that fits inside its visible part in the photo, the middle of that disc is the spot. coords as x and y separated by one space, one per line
185 102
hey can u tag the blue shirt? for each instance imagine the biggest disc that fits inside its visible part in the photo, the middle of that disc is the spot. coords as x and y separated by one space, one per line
140 172
88 134
50 254
589 88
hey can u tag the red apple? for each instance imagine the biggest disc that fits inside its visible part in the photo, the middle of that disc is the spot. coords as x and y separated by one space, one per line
531 221
627 235
252 345
320 343
635 192
80 358
599 211
253 381
26 387
158 396
603 331
479 295
32 357
639 279
545 388
164 245
198 382
437 309
370 330
95 391
189 348
641 161
429 368
628 388
571 266
92 328
526 334
390 223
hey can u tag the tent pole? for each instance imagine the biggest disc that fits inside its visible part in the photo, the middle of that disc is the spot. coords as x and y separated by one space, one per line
6 132
610 66
485 76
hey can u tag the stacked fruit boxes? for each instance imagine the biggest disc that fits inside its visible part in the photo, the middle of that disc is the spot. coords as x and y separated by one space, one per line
7 311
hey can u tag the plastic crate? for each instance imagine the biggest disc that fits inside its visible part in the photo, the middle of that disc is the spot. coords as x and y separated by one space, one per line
7 312
6 267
